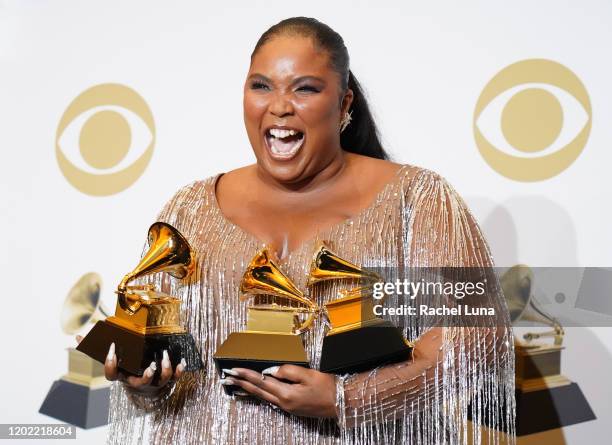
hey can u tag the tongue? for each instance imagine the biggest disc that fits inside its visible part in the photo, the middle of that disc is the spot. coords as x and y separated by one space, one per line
284 145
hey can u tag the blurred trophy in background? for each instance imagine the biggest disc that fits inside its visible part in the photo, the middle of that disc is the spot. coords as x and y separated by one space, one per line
272 335
358 339
146 322
545 398
80 397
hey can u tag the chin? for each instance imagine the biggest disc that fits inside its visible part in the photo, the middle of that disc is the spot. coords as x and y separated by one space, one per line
285 171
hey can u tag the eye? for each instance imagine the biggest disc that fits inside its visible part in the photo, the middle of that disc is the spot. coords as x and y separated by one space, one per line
532 120
257 85
308 89
105 139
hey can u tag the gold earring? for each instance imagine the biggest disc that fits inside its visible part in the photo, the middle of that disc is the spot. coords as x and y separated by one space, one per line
346 120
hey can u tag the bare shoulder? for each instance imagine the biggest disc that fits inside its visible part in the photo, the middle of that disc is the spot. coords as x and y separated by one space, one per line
368 165
232 185
379 170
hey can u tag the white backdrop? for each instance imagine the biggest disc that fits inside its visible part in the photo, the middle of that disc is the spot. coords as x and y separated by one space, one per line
423 66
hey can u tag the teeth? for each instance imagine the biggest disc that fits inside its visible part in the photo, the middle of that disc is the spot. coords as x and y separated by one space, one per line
280 133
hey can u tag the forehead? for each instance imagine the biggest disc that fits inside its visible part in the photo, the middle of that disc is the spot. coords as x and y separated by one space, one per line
291 56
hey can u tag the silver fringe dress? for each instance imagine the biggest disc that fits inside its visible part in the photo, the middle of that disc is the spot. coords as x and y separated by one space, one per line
417 220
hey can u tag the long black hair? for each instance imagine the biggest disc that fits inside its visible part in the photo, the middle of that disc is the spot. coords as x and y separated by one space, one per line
361 135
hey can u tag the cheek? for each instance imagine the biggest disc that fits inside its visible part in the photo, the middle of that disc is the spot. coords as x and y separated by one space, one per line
319 114
254 107
318 111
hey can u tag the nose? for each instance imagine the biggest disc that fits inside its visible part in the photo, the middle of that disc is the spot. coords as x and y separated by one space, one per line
281 106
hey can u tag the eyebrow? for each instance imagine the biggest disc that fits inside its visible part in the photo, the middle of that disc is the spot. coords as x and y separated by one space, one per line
295 81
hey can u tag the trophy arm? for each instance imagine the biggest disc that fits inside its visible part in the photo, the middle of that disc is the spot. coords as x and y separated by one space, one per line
557 333
312 316
128 302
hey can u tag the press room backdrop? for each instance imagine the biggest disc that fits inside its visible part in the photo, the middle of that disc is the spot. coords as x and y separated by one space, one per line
107 108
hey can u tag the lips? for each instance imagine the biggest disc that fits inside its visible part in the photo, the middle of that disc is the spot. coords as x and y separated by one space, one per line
283 142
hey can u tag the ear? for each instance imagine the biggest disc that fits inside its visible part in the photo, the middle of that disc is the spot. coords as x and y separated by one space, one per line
347 100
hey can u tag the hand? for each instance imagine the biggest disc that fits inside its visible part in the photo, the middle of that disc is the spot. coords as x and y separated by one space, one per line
141 384
309 393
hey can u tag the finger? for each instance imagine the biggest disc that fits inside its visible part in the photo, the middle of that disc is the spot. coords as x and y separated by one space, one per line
269 384
79 338
147 377
110 365
180 369
251 389
166 371
292 373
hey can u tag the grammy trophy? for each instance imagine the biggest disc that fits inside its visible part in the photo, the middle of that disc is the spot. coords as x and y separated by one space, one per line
146 321
358 340
272 335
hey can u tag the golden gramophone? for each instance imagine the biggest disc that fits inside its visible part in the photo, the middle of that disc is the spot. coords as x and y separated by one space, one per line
358 339
272 335
545 398
146 322
81 396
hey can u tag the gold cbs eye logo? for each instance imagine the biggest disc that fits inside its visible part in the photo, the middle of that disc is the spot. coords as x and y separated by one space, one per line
105 139
532 120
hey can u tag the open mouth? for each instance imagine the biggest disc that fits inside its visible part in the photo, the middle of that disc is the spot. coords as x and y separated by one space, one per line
284 143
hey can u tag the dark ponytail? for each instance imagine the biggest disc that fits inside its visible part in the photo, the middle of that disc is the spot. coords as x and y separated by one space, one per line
361 135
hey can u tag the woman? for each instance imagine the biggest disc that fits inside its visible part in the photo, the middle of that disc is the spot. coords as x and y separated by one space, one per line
321 173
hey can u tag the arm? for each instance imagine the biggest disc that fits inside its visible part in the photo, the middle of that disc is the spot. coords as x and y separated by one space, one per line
448 363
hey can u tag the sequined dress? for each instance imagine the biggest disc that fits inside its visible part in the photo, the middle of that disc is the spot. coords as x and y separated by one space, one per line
416 220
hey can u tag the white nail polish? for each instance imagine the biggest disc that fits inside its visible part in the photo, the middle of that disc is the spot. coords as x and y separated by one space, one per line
183 363
153 366
166 360
270 371
148 373
227 381
111 352
230 372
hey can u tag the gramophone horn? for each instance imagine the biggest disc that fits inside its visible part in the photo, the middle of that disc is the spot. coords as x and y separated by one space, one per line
264 277
517 284
326 265
169 251
82 305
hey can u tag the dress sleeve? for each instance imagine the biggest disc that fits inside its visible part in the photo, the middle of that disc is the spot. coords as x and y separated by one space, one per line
457 361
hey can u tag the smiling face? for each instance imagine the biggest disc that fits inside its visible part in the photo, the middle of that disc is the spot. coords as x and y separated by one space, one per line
293 106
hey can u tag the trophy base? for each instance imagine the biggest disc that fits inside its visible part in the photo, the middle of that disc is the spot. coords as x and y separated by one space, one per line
258 351
548 409
552 408
363 348
76 404
135 352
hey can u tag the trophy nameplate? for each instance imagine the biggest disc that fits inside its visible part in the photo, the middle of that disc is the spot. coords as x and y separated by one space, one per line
357 340
147 322
272 336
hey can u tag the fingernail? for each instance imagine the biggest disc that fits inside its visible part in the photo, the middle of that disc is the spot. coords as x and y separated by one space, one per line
183 364
227 381
166 360
230 372
153 366
270 371
148 373
111 352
